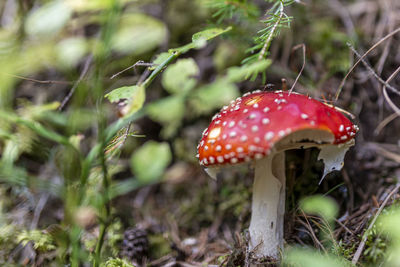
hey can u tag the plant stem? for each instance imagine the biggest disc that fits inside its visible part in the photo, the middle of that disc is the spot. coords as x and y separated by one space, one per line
160 68
271 34
99 245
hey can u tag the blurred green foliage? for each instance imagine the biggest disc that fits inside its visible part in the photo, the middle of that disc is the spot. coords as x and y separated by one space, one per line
41 241
150 161
87 153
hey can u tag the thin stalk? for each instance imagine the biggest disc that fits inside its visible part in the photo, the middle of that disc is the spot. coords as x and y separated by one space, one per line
160 68
267 43
106 199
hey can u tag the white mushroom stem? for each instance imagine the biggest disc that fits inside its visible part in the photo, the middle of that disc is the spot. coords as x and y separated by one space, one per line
268 207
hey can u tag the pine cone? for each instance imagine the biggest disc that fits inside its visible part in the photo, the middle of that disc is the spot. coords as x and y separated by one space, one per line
135 245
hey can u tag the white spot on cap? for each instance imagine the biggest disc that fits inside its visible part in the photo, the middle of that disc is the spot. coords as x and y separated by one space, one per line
265 121
252 116
215 132
266 109
312 123
304 116
224 123
202 143
245 110
246 94
205 147
220 159
228 146
236 108
257 140
232 134
341 128
234 160
231 124
211 141
243 138
212 160
197 155
344 137
352 134
205 161
239 149
254 128
281 133
224 136
268 136
278 101
252 148
348 128
217 122
218 148
255 105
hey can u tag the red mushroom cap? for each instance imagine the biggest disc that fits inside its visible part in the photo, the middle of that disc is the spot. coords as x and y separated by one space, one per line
249 127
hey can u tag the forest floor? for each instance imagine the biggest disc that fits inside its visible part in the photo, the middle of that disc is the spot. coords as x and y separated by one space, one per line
188 219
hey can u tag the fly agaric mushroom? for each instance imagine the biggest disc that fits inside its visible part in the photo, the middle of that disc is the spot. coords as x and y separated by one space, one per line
260 126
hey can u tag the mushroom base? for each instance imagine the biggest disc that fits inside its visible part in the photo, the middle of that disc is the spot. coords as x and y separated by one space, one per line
268 207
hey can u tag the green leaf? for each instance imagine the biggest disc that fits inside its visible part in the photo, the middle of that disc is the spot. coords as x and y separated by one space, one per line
34 126
312 258
48 20
179 77
209 34
320 205
200 39
138 33
389 223
117 263
121 93
136 96
169 112
70 51
238 74
213 96
149 161
95 5
41 240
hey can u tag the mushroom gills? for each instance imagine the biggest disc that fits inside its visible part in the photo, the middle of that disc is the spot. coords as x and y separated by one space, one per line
331 154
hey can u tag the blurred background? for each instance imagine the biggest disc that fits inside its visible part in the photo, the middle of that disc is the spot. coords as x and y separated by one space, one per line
103 102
